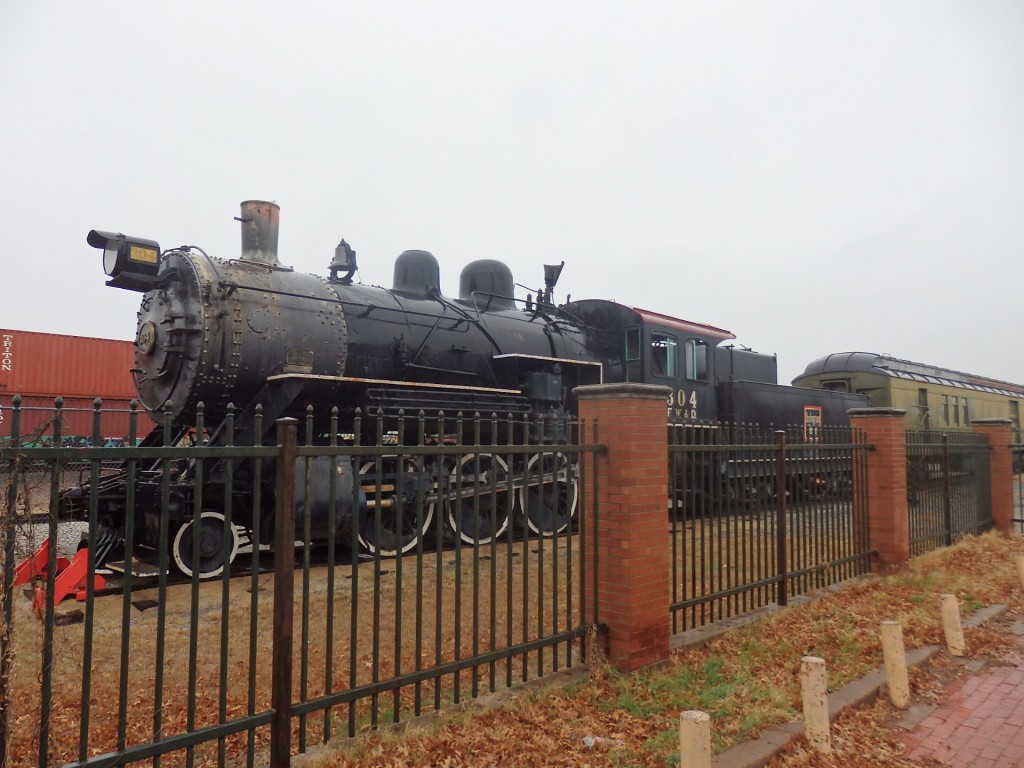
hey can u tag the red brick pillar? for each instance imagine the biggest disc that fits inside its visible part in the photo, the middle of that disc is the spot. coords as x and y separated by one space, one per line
631 523
1000 468
888 517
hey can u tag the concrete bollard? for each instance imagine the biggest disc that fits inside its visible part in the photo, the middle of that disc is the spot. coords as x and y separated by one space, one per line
951 626
1020 569
694 739
895 658
814 688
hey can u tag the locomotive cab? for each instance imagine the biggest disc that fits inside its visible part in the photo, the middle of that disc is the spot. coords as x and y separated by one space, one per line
681 355
641 346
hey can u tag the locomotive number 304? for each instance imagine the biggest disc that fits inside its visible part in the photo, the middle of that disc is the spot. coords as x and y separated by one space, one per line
688 409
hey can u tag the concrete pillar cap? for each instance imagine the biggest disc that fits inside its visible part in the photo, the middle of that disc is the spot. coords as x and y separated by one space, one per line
605 391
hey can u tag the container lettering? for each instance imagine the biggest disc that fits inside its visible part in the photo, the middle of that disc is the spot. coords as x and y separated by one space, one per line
7 355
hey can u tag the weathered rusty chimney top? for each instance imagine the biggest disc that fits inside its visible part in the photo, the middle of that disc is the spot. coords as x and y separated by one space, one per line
260 225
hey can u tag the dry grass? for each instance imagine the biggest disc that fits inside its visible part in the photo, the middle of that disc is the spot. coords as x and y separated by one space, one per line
222 661
747 679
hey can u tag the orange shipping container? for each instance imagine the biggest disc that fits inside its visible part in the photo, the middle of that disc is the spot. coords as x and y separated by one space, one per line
71 366
42 366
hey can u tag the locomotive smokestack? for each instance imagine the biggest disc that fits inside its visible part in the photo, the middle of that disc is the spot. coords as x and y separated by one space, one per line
260 226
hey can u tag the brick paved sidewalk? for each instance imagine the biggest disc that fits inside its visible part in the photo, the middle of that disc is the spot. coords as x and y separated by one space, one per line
980 722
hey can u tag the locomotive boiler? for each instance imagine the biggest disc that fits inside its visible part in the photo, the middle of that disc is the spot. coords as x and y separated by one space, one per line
250 330
244 341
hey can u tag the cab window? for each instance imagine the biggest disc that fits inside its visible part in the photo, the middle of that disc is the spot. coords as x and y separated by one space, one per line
632 344
696 360
664 355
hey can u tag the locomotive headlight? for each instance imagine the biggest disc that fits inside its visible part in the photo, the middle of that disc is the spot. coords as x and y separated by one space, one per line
131 263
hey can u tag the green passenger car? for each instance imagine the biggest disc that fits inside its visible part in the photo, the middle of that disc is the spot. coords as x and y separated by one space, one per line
933 397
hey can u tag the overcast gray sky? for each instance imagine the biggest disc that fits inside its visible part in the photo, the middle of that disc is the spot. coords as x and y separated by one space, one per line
816 177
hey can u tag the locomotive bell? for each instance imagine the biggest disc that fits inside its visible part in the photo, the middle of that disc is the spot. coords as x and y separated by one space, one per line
344 261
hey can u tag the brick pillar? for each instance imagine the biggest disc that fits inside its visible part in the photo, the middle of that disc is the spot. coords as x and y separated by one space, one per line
1000 468
888 516
632 553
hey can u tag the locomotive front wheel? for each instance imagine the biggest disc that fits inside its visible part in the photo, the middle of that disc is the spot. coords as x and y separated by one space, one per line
404 514
480 502
217 546
549 494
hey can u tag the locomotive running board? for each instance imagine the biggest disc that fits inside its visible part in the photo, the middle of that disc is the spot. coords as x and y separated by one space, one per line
363 381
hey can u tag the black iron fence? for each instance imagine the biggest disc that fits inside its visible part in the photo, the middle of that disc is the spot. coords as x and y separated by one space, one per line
760 515
948 492
37 424
1017 451
239 599
338 579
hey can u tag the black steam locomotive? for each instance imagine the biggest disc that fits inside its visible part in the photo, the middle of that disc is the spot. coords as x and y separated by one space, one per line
250 332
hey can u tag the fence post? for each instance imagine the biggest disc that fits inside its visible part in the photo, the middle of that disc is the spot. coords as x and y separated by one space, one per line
284 589
947 491
781 537
8 525
1000 468
888 517
631 559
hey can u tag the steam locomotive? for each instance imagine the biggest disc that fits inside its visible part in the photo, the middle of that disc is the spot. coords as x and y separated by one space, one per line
236 334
